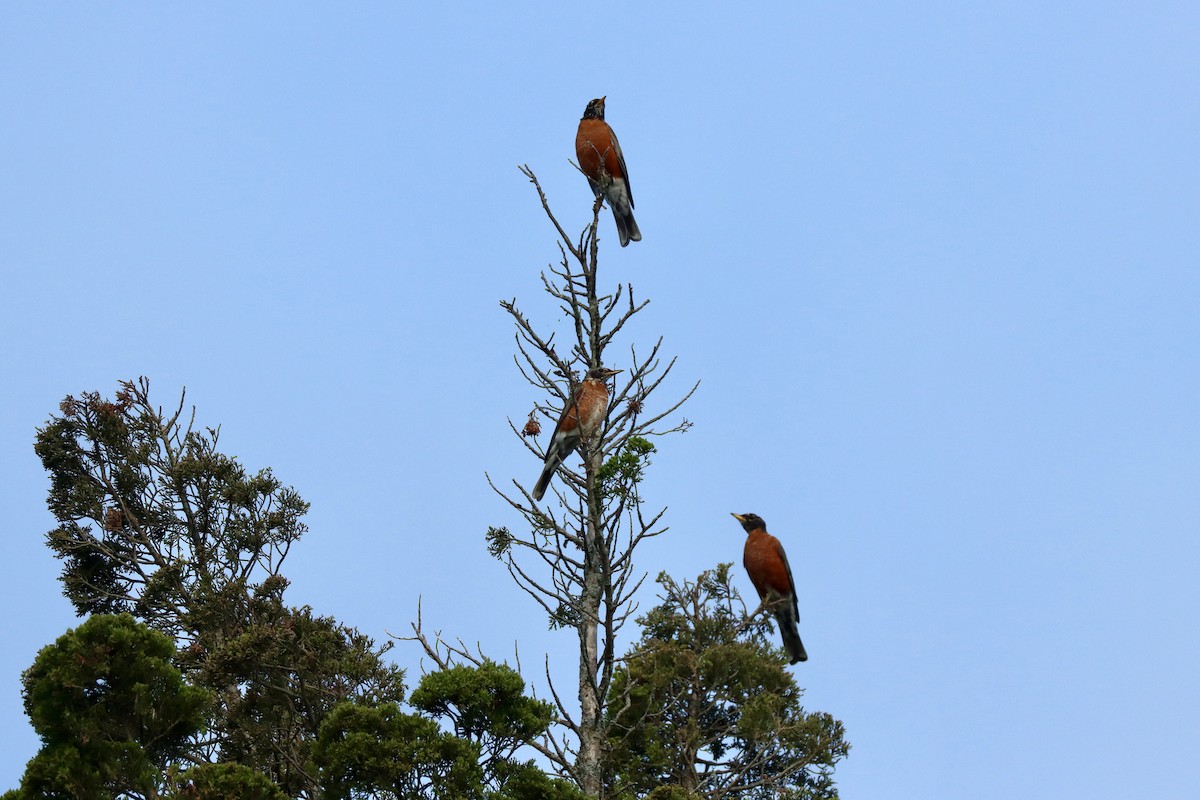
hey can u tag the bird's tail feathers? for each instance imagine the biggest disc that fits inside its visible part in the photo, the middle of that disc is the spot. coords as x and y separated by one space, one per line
543 481
627 227
791 635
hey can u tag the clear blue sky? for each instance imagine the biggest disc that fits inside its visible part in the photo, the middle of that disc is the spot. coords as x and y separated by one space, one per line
937 266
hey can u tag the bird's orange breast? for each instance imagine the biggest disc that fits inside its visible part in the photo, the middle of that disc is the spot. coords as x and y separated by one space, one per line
766 565
592 405
595 149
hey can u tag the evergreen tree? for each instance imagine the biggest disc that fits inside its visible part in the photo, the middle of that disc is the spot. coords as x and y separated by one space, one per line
704 703
382 751
280 702
111 709
154 520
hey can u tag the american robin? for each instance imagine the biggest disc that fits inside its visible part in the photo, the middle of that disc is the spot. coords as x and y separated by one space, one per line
601 160
767 565
583 414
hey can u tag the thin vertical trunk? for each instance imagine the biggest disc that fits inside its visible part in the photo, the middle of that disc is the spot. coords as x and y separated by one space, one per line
591 751
590 762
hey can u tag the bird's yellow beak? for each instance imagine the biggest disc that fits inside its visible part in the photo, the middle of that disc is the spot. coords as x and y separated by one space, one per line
738 517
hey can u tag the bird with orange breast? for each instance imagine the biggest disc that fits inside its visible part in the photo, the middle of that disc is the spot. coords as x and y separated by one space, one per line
767 565
579 421
601 160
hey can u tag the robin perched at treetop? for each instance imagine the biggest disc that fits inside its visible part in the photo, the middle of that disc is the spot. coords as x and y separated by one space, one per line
601 160
580 418
767 565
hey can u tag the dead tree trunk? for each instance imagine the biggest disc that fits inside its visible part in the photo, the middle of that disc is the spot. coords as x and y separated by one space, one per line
576 561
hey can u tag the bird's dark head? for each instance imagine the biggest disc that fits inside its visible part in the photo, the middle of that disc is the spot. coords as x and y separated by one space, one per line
595 109
602 373
751 522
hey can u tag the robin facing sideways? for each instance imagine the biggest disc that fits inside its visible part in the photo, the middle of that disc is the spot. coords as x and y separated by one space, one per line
601 160
767 565
580 419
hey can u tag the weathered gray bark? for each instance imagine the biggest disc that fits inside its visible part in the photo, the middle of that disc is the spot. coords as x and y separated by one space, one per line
589 763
